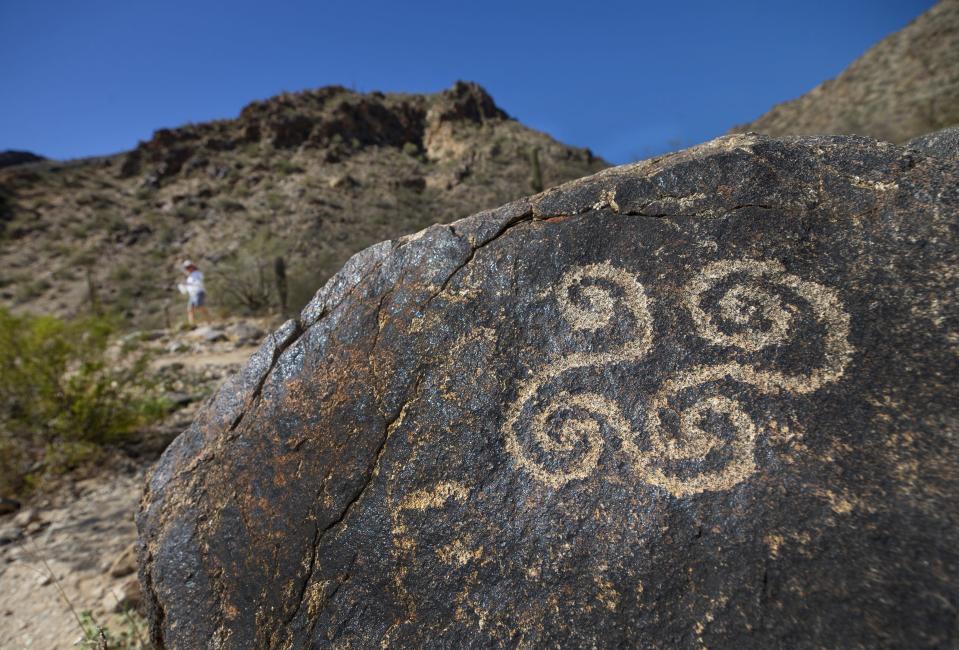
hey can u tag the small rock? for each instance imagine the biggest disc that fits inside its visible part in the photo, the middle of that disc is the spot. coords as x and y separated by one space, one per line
26 517
10 534
35 527
8 505
125 597
244 333
175 347
178 399
154 335
125 564
208 333
343 181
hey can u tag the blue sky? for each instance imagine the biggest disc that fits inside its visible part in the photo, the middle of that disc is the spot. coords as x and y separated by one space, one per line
627 79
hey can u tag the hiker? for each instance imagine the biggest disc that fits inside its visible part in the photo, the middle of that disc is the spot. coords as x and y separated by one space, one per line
193 288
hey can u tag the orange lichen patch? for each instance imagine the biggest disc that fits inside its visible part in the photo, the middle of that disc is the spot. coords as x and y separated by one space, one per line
606 591
842 503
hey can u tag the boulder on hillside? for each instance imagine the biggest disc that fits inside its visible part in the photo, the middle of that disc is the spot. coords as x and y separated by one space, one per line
709 399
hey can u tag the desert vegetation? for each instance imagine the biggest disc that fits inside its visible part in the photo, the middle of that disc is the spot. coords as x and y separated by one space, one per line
67 390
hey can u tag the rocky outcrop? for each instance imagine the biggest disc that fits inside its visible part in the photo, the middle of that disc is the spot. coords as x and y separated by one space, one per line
709 399
10 157
329 118
904 86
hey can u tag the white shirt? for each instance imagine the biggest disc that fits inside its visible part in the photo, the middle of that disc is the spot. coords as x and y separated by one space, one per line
194 283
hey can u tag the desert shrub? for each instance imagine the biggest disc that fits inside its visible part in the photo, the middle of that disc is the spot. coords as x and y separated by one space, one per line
131 634
30 289
288 167
65 391
6 211
245 282
275 201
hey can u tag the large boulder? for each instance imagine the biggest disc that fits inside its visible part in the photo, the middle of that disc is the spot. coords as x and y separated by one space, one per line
708 399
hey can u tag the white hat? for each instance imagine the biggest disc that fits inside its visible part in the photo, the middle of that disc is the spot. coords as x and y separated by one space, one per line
187 264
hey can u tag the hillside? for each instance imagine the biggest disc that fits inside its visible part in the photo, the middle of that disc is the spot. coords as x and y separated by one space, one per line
311 176
904 86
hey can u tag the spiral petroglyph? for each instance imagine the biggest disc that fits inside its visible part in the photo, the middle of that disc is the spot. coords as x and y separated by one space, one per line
565 437
746 305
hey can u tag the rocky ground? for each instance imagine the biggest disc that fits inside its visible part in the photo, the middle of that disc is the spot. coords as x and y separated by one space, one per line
78 535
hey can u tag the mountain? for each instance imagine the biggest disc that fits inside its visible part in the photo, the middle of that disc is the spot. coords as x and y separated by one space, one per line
311 177
904 86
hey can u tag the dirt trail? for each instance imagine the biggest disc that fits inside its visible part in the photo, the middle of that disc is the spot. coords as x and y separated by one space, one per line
79 538
238 356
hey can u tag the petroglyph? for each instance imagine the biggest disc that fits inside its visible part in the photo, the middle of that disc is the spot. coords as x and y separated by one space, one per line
420 500
759 306
599 289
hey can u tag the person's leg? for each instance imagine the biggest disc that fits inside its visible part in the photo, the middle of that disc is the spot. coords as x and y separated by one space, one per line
199 303
190 314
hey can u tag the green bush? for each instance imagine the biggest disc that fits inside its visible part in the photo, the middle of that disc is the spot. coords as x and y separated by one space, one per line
64 392
131 635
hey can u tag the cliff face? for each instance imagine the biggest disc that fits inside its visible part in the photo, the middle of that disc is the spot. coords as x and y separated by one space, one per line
311 176
904 86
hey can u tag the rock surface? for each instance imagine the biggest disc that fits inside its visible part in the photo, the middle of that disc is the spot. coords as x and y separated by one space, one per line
708 399
942 144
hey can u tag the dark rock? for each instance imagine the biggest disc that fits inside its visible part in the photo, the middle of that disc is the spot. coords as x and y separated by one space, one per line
942 144
11 157
208 333
179 400
415 183
710 399
368 121
466 100
131 163
291 131
8 505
